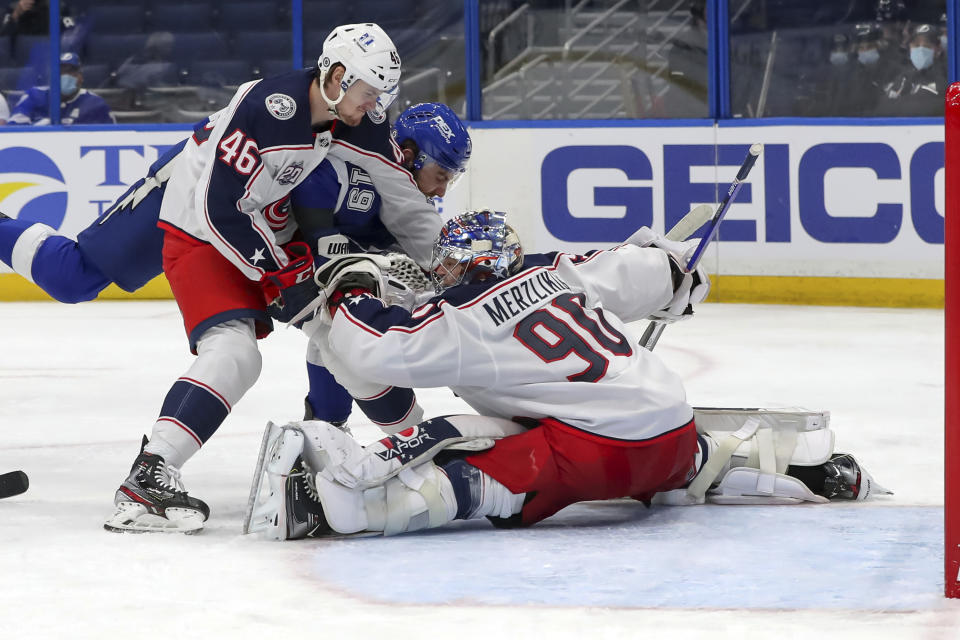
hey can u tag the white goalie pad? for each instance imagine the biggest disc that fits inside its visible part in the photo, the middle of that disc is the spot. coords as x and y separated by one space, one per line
750 450
801 437
751 486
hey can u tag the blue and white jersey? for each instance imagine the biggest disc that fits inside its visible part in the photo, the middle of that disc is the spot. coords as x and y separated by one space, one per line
337 208
255 151
85 108
240 160
124 242
549 341
409 215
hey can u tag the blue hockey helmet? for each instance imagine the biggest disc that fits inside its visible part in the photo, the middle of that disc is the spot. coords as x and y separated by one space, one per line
473 246
439 135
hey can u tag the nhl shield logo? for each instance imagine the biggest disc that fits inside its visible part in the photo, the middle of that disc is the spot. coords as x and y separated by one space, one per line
281 106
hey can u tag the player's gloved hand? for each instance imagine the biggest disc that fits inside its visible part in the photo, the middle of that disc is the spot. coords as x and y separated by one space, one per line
292 288
688 288
351 275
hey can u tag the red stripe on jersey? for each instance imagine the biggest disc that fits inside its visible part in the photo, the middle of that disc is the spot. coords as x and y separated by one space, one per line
184 427
210 389
378 395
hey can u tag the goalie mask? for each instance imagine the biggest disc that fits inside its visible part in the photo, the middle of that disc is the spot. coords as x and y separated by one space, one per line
366 53
474 246
440 137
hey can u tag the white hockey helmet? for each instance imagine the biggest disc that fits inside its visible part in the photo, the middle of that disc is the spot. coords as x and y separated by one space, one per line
367 53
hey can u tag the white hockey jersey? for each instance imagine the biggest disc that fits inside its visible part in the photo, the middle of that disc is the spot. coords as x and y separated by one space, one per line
547 342
252 153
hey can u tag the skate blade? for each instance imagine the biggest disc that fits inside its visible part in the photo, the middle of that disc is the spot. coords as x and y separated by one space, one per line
255 488
279 450
131 517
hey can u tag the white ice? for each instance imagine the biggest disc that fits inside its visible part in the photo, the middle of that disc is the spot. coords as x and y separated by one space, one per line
80 384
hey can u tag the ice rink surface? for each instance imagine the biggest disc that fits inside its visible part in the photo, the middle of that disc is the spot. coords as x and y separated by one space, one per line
80 384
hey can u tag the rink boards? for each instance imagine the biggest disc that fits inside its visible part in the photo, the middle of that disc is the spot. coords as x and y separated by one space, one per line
847 212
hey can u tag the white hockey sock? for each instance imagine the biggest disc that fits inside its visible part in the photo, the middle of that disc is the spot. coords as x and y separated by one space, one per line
172 443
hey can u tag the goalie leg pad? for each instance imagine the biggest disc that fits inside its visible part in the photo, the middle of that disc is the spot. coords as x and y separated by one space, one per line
750 450
338 457
417 498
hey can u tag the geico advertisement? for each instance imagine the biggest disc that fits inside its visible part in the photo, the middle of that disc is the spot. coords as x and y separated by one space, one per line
859 201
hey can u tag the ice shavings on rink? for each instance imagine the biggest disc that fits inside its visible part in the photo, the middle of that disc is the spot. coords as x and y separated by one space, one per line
622 555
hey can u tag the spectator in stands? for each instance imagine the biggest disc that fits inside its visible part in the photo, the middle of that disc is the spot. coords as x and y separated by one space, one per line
4 110
77 105
919 89
151 67
867 78
32 17
832 95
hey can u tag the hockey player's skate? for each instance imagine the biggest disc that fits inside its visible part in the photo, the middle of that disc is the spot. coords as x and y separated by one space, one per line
152 498
283 499
279 458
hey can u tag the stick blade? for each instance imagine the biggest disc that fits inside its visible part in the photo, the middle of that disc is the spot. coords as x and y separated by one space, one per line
13 484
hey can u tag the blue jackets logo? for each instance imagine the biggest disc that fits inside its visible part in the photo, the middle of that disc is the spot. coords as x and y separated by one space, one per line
32 186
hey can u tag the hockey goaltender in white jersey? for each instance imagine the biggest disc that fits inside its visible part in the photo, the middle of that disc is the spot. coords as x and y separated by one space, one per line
569 408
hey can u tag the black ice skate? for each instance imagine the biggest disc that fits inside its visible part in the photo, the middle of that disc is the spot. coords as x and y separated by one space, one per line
152 498
845 479
304 512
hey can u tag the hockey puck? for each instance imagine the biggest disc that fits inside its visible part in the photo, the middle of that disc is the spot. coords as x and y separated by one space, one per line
13 483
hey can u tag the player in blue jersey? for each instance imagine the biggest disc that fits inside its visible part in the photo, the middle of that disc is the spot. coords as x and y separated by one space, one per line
77 105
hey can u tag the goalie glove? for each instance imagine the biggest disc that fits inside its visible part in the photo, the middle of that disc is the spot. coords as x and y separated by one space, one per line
288 290
689 288
351 275
404 282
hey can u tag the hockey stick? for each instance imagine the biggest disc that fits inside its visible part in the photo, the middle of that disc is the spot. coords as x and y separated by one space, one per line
13 484
655 328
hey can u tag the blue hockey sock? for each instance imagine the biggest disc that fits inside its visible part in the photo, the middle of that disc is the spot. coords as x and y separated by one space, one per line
327 399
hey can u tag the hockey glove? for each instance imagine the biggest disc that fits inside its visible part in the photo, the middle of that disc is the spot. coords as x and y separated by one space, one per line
292 288
688 288
351 275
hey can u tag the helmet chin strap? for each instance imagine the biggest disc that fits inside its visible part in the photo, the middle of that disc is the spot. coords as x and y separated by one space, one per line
331 104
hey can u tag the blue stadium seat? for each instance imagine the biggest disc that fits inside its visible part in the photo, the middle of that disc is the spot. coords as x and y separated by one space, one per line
10 78
183 18
386 13
218 73
260 45
95 75
112 48
244 16
319 13
31 49
269 68
115 18
199 46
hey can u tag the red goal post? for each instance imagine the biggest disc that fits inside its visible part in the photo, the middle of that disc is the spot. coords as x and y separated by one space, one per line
951 505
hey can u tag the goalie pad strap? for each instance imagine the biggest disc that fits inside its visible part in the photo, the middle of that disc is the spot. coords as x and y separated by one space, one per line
719 458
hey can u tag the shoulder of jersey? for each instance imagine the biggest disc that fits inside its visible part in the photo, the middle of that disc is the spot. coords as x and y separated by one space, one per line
278 110
368 136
